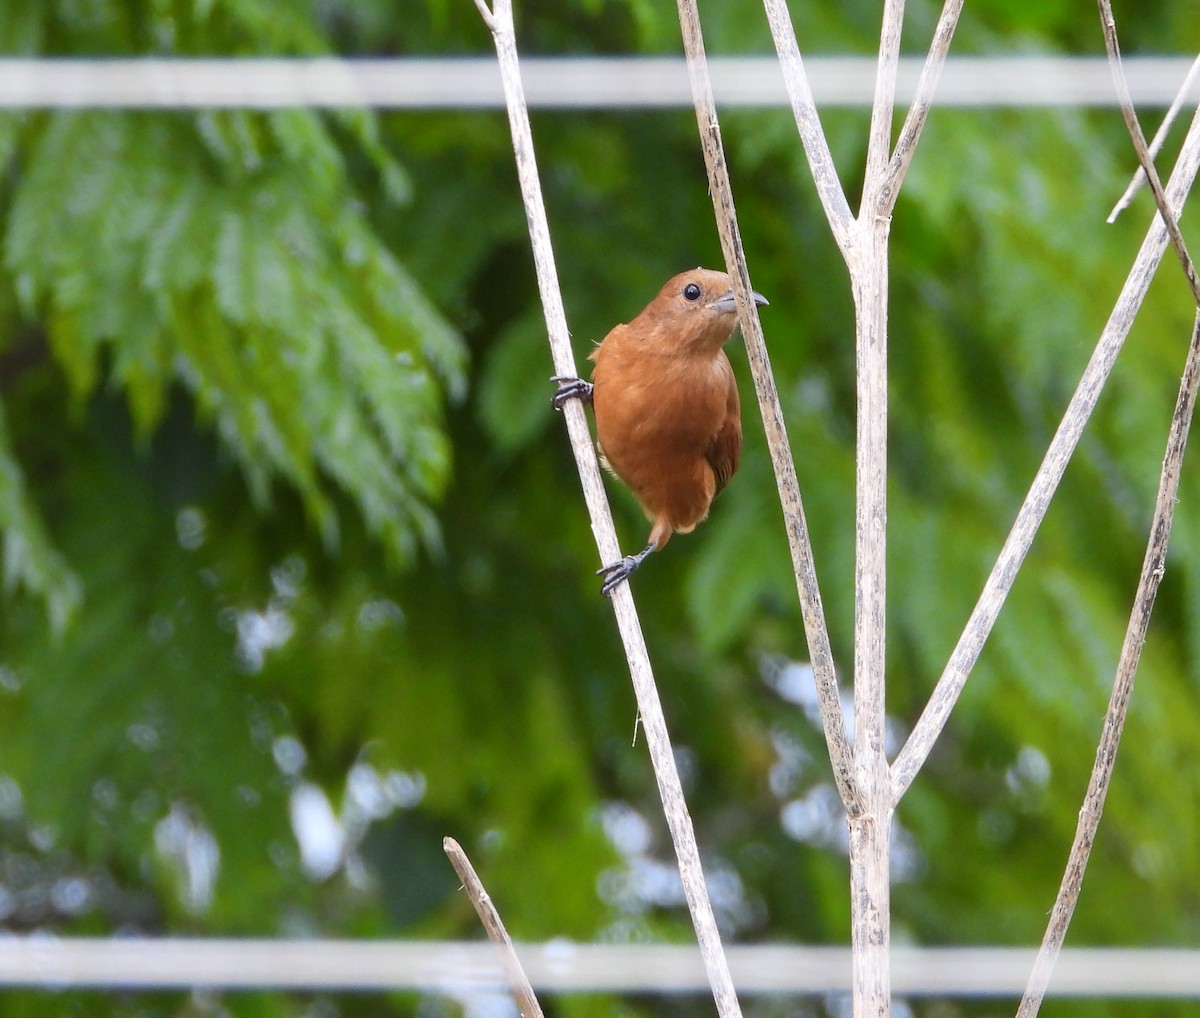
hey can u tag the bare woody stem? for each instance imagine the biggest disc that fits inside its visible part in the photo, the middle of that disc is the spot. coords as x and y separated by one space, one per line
883 105
864 245
870 834
796 524
500 21
517 980
1145 160
808 123
918 112
1160 136
1153 568
1062 446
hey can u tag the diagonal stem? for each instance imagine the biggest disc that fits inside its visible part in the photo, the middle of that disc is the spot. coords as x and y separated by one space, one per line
808 123
883 107
918 112
1037 501
1154 566
493 925
500 21
813 612
1145 161
1156 143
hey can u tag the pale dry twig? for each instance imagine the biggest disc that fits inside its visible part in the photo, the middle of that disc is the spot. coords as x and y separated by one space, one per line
679 822
494 926
796 525
1160 136
1153 567
1037 501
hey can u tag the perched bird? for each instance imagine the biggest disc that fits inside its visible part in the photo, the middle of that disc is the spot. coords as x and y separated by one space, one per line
666 407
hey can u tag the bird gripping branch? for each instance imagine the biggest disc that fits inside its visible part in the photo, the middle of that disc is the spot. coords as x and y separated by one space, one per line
666 406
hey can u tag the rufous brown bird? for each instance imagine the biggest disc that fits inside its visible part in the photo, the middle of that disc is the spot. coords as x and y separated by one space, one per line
666 406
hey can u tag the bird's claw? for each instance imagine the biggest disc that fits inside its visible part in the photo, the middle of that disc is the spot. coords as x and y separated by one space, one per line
570 387
616 573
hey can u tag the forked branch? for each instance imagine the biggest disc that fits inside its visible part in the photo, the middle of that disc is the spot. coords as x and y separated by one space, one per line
863 242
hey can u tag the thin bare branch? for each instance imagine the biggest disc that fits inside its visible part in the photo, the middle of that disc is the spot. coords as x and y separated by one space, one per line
1160 136
808 123
864 245
1153 568
817 634
1029 517
918 112
879 138
1145 161
870 920
870 832
517 980
485 12
867 261
658 742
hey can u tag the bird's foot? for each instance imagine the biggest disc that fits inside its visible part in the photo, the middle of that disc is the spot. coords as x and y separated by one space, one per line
616 573
570 387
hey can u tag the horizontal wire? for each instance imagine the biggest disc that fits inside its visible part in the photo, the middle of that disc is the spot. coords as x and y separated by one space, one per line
460 968
560 83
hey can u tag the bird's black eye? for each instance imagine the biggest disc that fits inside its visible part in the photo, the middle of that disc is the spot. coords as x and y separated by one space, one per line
692 291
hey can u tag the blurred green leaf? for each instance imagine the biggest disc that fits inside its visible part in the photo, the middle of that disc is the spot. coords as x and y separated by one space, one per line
31 561
241 295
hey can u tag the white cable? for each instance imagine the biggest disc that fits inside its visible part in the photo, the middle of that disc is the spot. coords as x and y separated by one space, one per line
564 967
561 83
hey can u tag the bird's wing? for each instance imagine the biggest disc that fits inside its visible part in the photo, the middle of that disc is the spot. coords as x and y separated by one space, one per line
725 451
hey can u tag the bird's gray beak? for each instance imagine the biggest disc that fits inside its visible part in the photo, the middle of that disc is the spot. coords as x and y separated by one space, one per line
726 303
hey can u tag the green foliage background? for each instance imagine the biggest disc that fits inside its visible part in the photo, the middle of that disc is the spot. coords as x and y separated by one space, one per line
287 371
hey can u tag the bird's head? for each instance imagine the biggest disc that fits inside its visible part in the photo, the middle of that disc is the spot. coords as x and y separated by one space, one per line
695 310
